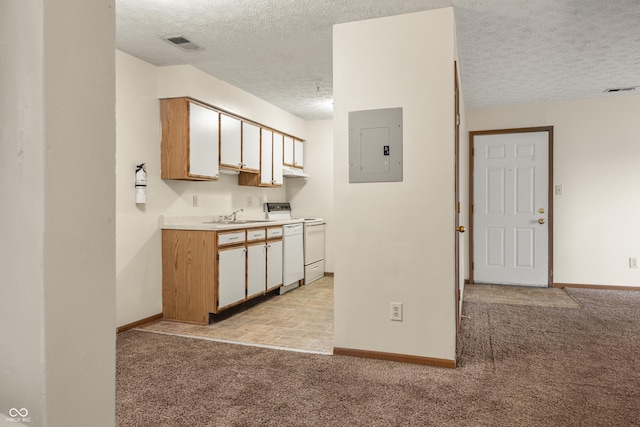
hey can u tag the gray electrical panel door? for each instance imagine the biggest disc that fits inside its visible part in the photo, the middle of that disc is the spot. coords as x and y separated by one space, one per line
375 145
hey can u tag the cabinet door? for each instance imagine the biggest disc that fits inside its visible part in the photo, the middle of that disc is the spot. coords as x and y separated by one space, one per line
231 275
274 264
250 146
256 269
230 141
266 163
288 151
298 154
277 159
203 141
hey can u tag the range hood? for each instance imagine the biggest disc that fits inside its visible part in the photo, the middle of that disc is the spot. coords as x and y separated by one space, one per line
293 173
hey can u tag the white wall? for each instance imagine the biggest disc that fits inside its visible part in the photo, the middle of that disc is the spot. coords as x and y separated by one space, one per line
596 152
57 251
313 197
186 80
139 86
395 241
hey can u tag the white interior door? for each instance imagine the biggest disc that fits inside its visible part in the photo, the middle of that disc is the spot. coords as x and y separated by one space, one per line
510 216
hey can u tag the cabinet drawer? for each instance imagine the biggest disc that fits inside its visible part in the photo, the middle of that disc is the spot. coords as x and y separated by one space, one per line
256 234
231 238
274 232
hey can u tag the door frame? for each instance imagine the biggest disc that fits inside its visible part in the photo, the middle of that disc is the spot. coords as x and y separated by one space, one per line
456 130
472 134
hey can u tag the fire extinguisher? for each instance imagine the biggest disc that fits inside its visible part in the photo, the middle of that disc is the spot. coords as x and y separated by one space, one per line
141 183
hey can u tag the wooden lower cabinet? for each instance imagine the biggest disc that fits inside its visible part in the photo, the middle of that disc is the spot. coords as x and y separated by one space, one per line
207 271
188 275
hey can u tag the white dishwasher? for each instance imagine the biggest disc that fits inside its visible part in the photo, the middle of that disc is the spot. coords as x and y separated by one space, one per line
292 256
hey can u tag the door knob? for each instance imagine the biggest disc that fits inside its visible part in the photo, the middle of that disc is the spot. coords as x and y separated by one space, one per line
541 221
461 229
541 210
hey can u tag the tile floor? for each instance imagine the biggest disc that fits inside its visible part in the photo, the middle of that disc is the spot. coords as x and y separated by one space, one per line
519 295
301 319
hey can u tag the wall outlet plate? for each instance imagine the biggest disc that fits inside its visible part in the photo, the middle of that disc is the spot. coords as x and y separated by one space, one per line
396 311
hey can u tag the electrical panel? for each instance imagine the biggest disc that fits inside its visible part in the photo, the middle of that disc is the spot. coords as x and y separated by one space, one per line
375 145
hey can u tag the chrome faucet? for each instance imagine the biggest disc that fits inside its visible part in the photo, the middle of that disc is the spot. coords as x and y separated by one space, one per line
232 215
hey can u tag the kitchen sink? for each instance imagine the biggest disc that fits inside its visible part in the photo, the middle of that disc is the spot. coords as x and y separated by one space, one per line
238 221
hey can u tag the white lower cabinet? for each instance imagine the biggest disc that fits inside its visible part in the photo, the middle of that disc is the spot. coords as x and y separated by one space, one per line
231 275
256 267
274 264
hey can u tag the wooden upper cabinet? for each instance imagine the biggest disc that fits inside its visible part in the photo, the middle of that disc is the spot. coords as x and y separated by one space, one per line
270 162
190 139
230 142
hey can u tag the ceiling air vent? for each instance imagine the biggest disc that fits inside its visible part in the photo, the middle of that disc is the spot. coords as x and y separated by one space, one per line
182 43
620 89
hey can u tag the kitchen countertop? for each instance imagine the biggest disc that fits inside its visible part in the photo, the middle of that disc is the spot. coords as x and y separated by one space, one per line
204 222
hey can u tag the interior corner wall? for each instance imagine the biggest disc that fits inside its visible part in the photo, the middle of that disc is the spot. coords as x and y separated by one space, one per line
595 158
313 197
57 263
394 241
22 367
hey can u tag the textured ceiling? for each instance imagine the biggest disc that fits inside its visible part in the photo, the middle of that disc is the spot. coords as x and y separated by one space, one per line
510 51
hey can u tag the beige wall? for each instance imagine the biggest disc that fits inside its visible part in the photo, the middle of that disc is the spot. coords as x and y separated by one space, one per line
596 152
139 85
57 251
394 241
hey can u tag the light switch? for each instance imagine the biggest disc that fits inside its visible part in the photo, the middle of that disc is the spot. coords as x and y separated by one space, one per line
559 190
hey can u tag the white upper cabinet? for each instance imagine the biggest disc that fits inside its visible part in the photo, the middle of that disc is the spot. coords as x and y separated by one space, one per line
288 151
277 159
189 146
230 142
250 147
293 152
266 163
203 141
298 154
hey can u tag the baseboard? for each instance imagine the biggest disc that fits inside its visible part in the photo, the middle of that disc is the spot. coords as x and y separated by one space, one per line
604 287
328 274
394 357
137 324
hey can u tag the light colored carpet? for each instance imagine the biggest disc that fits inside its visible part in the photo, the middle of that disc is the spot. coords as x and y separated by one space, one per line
518 366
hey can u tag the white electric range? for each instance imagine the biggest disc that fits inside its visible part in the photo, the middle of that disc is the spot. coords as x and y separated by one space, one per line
313 239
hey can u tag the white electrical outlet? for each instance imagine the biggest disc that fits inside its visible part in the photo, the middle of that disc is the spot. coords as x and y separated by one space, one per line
633 262
260 201
195 200
396 311
249 201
